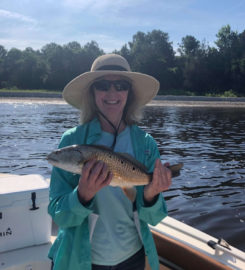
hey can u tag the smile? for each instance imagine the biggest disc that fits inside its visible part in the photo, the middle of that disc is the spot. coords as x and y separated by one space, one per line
111 102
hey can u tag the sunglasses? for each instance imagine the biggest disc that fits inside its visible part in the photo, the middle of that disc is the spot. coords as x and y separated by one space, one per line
105 85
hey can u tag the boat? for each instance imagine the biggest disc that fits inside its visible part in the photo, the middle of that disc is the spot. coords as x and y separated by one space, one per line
179 246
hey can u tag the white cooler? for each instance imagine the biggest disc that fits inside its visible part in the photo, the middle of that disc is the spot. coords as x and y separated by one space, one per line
24 220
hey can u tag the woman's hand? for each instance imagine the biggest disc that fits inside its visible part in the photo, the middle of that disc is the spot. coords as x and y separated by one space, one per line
95 175
161 181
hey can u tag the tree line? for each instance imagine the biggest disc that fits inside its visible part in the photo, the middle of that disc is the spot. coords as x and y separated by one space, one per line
194 66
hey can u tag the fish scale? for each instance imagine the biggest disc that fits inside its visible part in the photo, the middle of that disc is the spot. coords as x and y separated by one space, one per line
124 172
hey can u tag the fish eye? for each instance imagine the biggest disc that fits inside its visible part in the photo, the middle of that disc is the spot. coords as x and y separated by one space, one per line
133 168
121 161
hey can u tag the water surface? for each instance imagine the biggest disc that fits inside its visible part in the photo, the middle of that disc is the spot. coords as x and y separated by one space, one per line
208 195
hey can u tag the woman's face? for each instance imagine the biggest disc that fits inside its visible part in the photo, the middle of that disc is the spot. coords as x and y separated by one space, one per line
112 102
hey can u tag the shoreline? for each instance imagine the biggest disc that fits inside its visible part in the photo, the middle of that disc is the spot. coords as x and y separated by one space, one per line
176 101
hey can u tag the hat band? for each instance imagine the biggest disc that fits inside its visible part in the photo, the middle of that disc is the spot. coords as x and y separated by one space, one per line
112 67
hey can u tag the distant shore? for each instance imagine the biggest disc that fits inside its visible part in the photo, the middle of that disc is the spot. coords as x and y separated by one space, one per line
192 101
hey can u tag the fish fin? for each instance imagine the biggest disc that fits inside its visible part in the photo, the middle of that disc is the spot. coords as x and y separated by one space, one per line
130 193
102 147
134 161
175 169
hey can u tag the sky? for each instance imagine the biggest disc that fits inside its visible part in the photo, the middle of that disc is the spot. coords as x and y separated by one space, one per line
112 23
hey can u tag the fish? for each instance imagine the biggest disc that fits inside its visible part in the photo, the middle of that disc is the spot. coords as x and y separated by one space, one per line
126 170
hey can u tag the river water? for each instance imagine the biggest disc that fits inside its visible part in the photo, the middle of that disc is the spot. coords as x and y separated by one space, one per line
209 194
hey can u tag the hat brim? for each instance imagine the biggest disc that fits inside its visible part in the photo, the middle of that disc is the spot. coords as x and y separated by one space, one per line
145 87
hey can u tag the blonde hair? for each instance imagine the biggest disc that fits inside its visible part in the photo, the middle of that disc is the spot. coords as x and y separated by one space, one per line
132 112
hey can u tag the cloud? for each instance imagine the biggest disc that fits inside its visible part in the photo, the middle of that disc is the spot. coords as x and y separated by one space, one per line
18 30
111 14
5 14
128 13
101 5
111 23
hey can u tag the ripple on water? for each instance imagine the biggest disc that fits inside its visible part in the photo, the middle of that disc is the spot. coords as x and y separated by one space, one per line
208 195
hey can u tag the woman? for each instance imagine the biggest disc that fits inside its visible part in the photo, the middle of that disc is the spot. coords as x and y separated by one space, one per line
99 227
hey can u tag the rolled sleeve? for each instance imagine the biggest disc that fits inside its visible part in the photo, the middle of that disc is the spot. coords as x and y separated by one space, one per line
151 214
155 213
76 207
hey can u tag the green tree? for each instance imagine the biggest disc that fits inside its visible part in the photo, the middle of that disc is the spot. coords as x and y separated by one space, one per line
12 65
72 60
3 54
238 65
198 67
125 52
32 71
227 42
226 39
64 63
189 46
90 52
153 54
193 65
53 54
79 59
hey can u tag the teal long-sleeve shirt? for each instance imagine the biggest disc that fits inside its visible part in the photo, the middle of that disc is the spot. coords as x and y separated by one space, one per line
72 248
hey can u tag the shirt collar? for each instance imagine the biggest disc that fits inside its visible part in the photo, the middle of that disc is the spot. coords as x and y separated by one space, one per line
94 131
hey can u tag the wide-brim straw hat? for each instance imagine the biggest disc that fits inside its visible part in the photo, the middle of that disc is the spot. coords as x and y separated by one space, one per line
145 87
